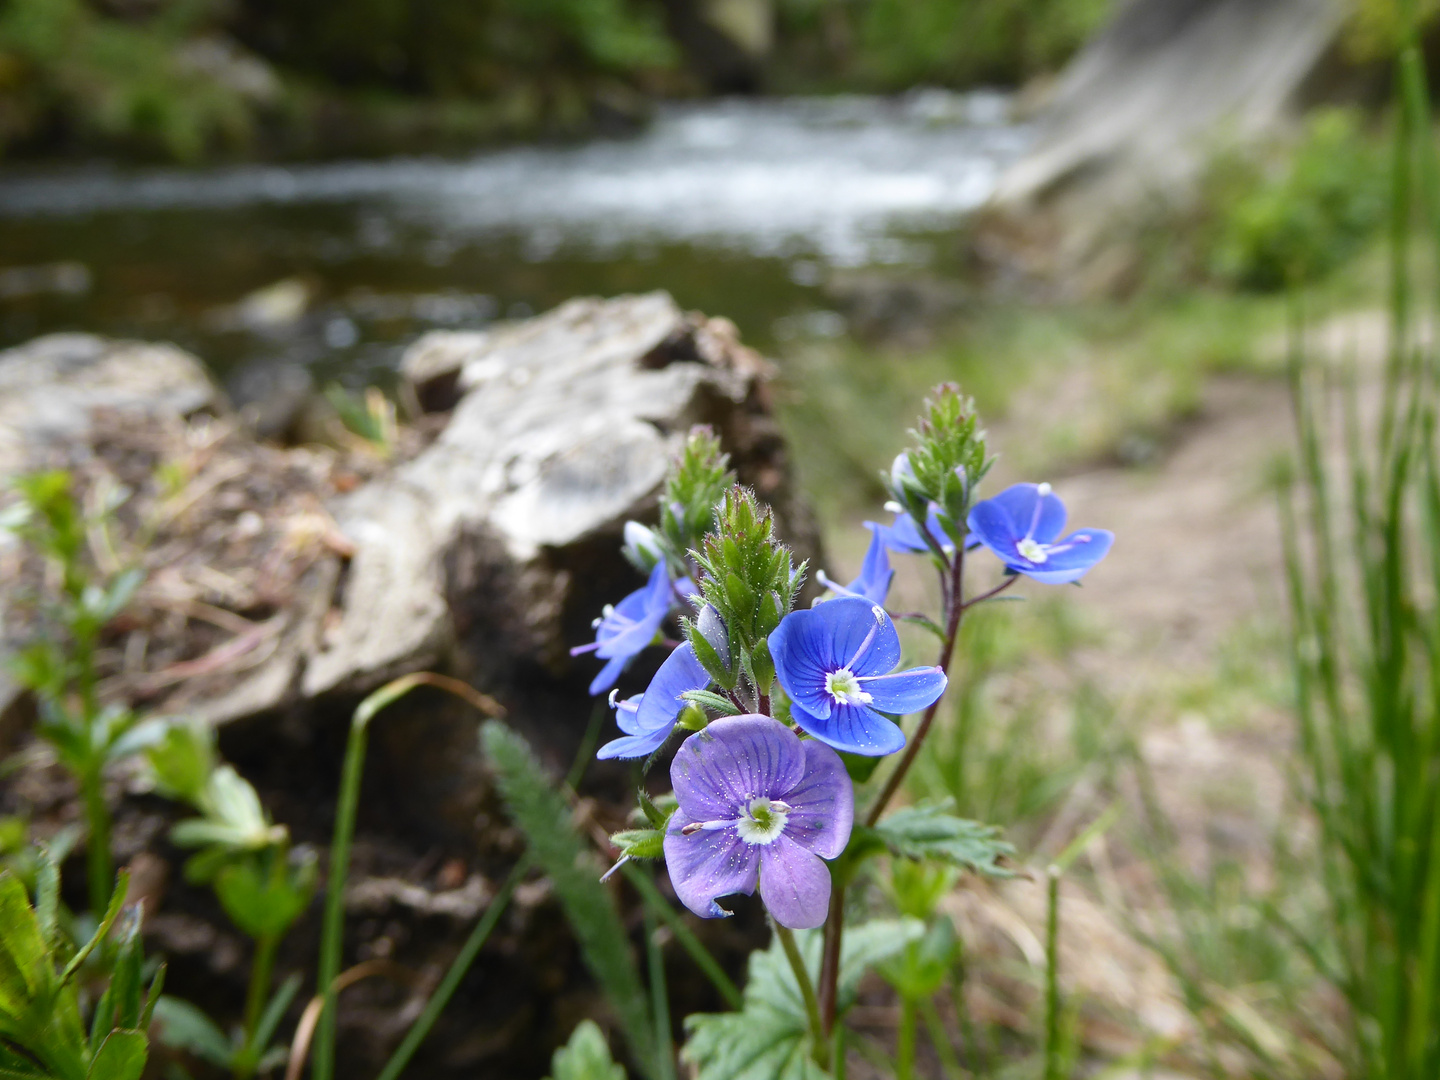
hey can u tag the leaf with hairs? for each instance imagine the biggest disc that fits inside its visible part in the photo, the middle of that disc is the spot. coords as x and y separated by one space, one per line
556 846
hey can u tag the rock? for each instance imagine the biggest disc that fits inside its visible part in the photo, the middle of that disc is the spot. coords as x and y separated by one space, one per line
564 427
49 391
271 396
303 574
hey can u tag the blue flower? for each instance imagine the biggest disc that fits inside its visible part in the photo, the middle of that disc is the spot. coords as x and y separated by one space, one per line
758 807
1022 524
648 719
873 584
624 630
836 662
903 535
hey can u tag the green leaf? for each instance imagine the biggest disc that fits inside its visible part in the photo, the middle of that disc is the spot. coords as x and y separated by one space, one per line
640 843
933 832
182 1026
723 705
557 848
769 1037
121 1057
263 898
922 966
585 1057
181 756
117 901
657 811
24 957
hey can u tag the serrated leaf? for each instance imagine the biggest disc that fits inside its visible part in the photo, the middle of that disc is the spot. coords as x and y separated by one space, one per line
121 1057
24 958
585 1057
554 844
934 832
769 1037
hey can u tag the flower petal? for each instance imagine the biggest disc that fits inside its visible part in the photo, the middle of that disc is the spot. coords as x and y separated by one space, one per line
875 572
1019 501
662 700
991 524
634 620
609 675
811 643
708 864
717 771
822 804
854 729
634 746
904 691
1063 567
794 883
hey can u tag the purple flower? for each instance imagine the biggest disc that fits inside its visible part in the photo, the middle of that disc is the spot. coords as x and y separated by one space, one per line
648 719
873 584
757 805
903 535
836 662
625 629
1021 525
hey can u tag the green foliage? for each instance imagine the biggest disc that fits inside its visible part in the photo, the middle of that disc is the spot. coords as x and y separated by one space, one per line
692 489
43 1033
927 833
748 577
945 465
1294 224
60 666
585 1057
895 44
115 79
182 1026
555 846
454 47
769 1038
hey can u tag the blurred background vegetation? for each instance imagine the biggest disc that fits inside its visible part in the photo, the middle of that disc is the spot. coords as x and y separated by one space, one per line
189 79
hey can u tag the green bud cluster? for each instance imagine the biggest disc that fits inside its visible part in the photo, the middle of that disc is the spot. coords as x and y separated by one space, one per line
748 578
694 486
946 464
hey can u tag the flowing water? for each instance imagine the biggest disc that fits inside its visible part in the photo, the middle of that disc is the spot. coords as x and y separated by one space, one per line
741 208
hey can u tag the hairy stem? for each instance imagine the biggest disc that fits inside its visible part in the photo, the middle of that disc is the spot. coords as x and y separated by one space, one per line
952 588
818 1035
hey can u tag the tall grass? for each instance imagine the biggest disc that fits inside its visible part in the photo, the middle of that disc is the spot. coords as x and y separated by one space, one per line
1361 520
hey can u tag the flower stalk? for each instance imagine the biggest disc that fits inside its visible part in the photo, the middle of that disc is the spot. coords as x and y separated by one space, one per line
819 1036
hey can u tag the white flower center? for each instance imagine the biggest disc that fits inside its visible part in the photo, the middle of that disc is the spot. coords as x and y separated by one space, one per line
844 687
763 822
1032 551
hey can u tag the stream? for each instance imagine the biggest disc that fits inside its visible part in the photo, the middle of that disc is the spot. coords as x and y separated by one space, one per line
738 207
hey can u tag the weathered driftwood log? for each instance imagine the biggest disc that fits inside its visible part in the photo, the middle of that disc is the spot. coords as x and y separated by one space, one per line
285 582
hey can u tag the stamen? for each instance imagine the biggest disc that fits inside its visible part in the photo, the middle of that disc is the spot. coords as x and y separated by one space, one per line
879 614
1041 490
704 826
844 687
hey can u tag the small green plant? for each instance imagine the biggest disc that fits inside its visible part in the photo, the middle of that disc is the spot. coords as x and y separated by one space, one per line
263 884
59 667
44 1033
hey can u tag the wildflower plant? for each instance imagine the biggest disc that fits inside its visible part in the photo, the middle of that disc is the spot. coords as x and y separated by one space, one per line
783 710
